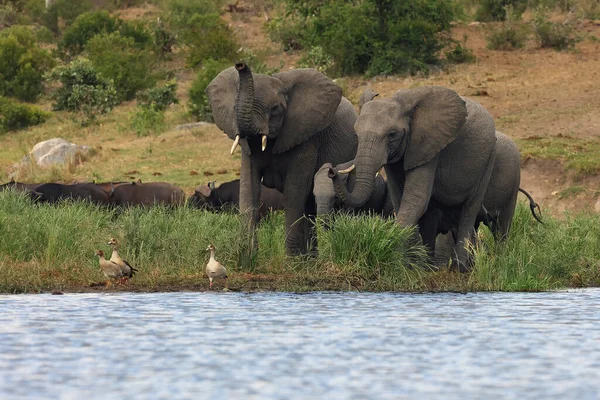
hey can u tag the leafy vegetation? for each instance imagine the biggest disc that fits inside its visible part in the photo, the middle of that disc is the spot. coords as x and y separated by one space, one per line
83 90
508 36
374 36
149 116
208 37
560 36
498 10
116 57
45 247
22 64
15 115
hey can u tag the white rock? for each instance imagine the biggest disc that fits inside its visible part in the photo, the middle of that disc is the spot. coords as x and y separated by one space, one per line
597 206
57 152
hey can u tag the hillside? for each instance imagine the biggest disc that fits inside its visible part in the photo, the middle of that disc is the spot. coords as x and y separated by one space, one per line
547 100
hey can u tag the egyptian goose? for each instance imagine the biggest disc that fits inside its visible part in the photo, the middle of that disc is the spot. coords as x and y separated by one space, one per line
110 269
128 270
215 269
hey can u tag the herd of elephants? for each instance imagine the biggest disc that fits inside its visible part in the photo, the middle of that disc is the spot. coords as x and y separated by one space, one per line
307 151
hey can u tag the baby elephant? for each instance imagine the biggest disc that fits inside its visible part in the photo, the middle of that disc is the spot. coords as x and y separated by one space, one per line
327 201
227 197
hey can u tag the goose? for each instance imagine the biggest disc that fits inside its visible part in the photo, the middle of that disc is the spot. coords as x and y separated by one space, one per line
110 269
128 270
214 269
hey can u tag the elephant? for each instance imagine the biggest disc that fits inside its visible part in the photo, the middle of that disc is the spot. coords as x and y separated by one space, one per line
434 146
147 194
227 195
324 192
499 201
367 96
54 192
288 124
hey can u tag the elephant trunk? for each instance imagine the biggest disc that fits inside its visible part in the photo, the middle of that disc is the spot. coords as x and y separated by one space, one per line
244 104
366 164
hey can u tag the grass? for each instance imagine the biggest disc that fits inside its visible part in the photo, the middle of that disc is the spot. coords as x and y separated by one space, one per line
45 248
170 156
579 154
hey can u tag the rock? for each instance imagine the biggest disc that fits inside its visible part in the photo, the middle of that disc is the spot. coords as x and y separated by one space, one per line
597 206
58 152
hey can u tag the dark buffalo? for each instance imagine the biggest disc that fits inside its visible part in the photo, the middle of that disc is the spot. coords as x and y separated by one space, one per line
109 187
19 187
227 196
147 194
53 192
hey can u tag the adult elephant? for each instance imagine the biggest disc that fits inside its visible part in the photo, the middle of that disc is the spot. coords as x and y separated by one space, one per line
288 125
434 145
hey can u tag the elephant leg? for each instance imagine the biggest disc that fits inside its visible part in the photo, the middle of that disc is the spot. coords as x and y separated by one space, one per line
250 188
468 215
310 211
444 245
418 186
296 195
395 184
504 220
428 228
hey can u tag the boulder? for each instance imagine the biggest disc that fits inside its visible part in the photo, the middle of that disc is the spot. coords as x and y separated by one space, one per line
57 152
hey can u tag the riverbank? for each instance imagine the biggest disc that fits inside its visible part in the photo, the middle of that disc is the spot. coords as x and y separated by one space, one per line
47 248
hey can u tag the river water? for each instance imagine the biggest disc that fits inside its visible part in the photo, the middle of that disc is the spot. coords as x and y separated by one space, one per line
301 346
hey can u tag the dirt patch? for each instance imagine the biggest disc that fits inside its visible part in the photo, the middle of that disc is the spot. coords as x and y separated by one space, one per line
558 190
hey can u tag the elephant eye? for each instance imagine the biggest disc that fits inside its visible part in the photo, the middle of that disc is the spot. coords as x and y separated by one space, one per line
391 133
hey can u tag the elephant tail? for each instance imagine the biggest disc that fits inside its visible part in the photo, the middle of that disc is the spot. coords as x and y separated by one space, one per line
532 205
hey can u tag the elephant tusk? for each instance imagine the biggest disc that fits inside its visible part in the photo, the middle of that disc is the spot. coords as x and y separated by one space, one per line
347 170
235 143
264 142
377 174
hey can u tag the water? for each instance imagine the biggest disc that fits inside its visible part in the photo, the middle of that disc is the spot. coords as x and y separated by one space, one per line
290 346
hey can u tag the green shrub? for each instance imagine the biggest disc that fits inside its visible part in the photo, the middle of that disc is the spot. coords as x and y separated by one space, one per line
316 58
496 10
138 31
159 98
559 36
208 36
163 38
179 11
8 16
508 36
22 64
85 27
256 62
198 103
83 90
147 120
281 31
15 115
460 53
373 36
117 58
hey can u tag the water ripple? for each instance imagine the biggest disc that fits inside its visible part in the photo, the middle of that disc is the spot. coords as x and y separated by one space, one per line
291 346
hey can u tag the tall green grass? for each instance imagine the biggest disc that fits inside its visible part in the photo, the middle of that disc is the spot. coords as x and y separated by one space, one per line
44 247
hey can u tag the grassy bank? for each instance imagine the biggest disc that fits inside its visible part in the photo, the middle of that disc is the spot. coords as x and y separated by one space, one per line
44 248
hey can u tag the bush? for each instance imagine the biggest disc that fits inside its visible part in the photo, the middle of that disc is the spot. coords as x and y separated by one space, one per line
373 36
85 27
117 58
460 53
147 120
159 98
83 90
22 63
496 10
138 31
281 31
15 115
316 58
560 36
508 36
198 103
208 36
8 16
163 38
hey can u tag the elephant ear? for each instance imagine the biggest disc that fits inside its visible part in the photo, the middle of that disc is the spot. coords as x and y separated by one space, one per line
221 93
437 116
312 101
366 97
